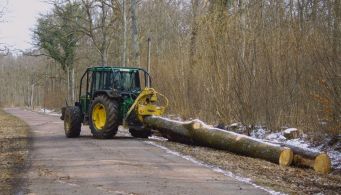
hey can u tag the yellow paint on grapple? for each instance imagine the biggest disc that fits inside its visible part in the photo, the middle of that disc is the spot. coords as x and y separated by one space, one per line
145 104
99 116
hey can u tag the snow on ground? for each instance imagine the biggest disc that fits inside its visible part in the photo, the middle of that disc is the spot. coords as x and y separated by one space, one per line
259 134
290 130
302 142
49 112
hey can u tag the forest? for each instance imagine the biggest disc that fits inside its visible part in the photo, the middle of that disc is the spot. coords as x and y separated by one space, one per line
270 63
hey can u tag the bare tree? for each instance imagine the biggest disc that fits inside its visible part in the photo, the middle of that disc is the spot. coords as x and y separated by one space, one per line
57 37
100 18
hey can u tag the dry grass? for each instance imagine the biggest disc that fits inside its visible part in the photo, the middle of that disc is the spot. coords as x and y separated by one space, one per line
13 151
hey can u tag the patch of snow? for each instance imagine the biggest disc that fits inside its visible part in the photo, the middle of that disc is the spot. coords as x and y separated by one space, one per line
276 137
153 137
290 130
235 124
215 169
301 144
49 112
335 157
258 133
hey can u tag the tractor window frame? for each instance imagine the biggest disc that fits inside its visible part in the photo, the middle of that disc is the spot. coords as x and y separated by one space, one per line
81 84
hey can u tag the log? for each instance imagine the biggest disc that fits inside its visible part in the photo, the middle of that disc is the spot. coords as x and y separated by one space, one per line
198 133
319 161
291 133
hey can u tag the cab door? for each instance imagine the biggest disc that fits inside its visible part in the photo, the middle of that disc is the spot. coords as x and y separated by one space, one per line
85 93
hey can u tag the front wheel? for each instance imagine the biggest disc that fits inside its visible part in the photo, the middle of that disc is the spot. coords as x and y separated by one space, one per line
72 121
103 120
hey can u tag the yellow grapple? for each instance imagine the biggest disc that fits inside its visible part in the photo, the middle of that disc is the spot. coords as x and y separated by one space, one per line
146 104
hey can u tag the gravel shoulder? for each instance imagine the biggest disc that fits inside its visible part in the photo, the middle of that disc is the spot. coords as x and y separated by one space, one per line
14 144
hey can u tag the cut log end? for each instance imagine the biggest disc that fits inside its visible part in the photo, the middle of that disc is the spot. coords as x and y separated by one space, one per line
196 124
286 157
322 164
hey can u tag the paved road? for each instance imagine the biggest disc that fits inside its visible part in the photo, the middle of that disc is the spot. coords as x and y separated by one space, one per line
120 166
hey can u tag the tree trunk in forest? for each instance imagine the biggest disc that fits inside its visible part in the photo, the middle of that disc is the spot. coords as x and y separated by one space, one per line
196 132
192 53
104 55
194 32
72 84
124 34
134 34
336 28
32 95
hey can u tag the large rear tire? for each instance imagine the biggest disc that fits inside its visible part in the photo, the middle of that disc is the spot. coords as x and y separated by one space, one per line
103 119
72 122
145 133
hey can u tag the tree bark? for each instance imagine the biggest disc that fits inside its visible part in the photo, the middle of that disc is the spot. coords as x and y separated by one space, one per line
320 162
192 52
336 28
32 96
124 34
68 84
196 132
134 34
72 84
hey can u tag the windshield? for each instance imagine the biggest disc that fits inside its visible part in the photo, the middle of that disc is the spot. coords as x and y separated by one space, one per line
121 80
126 81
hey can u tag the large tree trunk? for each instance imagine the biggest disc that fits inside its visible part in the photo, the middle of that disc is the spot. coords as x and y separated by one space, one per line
320 162
198 133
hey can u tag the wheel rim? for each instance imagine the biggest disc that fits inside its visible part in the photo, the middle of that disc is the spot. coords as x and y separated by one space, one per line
99 116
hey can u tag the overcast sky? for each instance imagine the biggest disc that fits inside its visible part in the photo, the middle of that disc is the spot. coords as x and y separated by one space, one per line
20 18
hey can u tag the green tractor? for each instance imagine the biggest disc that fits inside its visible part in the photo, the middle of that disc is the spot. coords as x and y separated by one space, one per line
113 96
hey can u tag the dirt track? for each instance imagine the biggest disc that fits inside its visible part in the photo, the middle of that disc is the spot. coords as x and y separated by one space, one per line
120 166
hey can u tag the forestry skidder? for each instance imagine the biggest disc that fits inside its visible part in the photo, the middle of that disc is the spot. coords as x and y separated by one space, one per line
113 96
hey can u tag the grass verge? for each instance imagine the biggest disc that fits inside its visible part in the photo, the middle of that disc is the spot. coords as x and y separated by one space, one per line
13 152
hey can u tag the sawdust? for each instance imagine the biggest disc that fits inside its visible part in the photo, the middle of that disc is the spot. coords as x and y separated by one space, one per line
289 180
13 151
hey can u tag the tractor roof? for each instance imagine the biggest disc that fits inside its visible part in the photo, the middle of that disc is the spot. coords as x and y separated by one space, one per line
110 68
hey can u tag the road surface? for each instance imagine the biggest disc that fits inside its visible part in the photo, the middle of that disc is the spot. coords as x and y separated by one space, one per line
123 165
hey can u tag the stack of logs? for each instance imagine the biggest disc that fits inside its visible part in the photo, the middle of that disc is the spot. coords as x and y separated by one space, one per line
198 133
